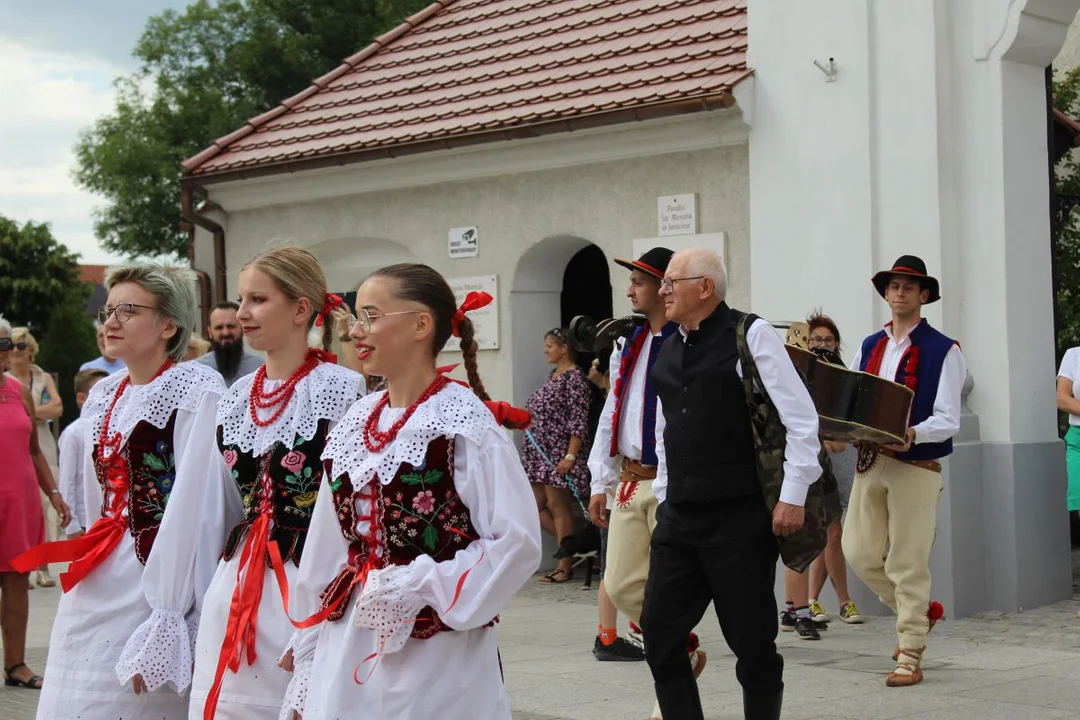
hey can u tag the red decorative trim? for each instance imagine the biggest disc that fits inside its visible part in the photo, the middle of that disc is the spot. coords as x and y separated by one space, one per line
625 493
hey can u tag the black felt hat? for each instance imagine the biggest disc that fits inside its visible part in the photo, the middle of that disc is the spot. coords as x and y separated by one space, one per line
654 262
912 267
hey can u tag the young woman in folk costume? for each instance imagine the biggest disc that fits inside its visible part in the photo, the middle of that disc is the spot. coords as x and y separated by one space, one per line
423 531
270 429
151 430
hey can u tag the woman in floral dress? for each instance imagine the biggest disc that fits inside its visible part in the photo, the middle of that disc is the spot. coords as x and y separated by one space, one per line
271 428
556 446
149 431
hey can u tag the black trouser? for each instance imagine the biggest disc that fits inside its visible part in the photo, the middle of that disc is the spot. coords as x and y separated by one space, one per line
725 552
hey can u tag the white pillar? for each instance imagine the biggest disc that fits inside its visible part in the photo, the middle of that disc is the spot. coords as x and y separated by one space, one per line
930 141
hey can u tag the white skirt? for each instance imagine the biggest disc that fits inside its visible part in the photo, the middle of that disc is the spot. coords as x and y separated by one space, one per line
256 691
451 675
93 622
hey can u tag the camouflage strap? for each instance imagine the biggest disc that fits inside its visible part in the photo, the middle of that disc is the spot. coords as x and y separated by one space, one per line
799 549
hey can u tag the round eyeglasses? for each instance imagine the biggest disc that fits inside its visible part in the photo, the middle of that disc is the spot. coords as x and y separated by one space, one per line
123 312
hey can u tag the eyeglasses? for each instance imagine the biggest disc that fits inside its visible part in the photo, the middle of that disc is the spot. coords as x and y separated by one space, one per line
123 312
558 333
825 342
7 344
366 317
668 284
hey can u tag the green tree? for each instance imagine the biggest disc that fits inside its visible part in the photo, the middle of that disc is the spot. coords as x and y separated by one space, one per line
36 272
210 69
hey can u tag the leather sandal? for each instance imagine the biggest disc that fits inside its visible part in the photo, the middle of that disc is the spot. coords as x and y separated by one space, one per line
34 683
552 578
912 664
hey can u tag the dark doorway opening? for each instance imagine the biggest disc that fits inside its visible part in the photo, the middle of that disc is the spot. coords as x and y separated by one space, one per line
586 290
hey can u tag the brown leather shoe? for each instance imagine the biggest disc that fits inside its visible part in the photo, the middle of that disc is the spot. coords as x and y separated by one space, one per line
911 662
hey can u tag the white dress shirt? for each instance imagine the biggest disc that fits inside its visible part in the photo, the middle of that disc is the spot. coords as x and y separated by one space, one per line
792 400
944 423
70 483
604 468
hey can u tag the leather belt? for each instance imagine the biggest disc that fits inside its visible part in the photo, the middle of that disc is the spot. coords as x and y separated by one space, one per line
931 465
637 470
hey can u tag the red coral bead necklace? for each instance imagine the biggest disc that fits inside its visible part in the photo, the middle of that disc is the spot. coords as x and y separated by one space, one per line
260 399
374 439
112 443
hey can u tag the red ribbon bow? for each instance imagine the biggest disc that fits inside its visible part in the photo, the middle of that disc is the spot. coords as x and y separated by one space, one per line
473 301
331 303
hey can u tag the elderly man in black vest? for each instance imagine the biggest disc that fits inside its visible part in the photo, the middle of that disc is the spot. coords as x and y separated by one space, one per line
714 538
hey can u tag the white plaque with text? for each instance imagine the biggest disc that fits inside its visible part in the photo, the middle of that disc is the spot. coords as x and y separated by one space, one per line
677 214
486 319
464 242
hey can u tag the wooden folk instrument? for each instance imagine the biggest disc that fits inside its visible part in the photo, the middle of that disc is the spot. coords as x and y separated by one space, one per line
852 406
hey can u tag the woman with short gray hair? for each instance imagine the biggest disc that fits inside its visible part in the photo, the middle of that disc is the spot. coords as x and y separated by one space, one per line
151 428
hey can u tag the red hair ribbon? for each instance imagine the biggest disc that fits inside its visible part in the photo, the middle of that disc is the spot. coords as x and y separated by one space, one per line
473 301
506 415
331 303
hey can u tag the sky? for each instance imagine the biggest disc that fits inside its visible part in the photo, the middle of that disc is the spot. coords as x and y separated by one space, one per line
60 58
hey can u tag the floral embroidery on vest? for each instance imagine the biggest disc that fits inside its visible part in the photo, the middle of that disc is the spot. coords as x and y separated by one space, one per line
284 482
417 513
151 471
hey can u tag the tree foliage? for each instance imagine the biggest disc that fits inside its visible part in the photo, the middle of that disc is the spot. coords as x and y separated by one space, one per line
1067 243
36 272
202 74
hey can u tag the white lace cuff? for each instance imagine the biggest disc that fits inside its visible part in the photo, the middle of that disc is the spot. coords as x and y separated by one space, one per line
193 629
160 651
389 604
302 643
296 692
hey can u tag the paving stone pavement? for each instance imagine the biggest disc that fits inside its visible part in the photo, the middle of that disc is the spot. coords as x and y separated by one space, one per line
992 666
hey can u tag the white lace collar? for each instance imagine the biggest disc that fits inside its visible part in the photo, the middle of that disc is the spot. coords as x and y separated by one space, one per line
454 410
181 387
326 393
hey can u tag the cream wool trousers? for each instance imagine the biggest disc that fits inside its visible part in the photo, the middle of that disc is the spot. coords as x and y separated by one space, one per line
893 507
626 568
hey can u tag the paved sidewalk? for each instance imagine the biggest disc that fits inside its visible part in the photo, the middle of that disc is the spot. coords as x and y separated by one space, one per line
987 667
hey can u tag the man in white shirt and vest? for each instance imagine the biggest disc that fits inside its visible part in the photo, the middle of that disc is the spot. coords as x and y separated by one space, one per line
715 539
623 456
893 505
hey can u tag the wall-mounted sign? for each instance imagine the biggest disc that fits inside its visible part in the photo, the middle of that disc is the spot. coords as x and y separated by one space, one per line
486 319
677 214
464 242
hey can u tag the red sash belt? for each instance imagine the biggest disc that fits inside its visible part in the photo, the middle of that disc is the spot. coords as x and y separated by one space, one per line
84 553
244 608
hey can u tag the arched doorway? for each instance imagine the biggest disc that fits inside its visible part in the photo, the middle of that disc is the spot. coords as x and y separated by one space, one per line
556 279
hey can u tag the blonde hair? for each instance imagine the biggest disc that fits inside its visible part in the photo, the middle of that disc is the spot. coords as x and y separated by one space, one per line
297 274
175 290
23 334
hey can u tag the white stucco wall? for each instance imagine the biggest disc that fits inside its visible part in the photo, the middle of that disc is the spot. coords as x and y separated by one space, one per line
607 203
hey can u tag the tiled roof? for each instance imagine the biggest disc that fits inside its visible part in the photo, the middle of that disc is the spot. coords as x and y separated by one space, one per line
468 71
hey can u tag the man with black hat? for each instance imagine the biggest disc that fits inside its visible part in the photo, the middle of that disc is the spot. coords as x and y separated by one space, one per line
893 505
623 456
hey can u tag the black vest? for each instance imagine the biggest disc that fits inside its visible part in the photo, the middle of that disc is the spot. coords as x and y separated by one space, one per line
708 440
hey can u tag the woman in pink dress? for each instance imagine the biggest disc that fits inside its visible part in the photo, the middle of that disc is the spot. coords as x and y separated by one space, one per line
21 523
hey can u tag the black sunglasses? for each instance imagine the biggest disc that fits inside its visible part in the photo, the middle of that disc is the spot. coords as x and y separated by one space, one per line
7 344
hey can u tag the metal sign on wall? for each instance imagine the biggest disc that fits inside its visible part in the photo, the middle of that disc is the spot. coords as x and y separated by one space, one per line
486 319
464 242
676 215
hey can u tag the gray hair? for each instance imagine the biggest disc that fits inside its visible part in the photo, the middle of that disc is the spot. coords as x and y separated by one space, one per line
176 292
707 263
5 325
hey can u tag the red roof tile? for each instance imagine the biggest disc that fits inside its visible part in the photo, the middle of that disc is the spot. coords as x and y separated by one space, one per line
467 71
